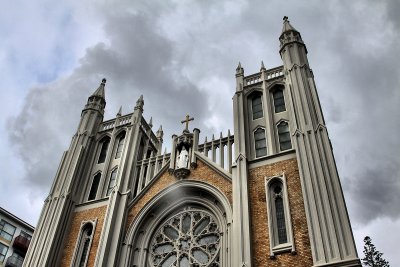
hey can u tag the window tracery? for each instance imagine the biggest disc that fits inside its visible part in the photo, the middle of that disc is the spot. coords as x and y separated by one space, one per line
189 238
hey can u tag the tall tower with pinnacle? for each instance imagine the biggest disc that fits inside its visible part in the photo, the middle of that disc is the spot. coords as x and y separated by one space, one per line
268 195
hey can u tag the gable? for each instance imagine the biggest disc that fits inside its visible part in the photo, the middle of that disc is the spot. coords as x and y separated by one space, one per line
203 173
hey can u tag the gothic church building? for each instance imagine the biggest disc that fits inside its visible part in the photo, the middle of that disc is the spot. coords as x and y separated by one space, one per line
267 195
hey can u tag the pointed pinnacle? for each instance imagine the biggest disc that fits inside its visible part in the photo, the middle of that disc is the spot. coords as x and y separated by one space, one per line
239 69
160 129
119 111
287 26
100 90
151 122
262 66
140 103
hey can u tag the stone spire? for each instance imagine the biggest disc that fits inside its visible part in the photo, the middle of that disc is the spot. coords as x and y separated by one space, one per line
160 132
287 26
239 70
119 111
97 100
151 122
290 35
140 103
262 68
100 91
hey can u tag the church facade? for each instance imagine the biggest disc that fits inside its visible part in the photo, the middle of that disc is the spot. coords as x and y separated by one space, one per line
267 195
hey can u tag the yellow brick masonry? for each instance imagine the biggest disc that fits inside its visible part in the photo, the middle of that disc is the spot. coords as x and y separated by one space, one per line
259 220
201 173
78 217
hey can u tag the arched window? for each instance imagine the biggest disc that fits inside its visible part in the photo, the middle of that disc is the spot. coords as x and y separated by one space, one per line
280 228
113 181
94 187
279 101
103 152
83 246
260 142
256 107
285 142
188 238
121 141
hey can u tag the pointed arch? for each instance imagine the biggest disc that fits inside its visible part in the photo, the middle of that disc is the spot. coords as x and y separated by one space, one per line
279 218
285 141
120 142
178 199
94 188
84 243
260 142
104 145
112 181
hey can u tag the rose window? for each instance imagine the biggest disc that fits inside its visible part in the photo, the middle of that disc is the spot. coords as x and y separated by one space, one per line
190 238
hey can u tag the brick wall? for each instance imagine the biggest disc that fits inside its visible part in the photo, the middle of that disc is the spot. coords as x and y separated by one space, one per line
202 173
259 219
78 217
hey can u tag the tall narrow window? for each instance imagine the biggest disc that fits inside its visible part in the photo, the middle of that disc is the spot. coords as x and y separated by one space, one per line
256 106
113 181
285 142
279 101
260 142
121 141
279 221
83 247
279 213
94 187
103 152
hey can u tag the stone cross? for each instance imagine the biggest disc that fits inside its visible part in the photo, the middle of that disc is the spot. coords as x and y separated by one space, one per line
187 122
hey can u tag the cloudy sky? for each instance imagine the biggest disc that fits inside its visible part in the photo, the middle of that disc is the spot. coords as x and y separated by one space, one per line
182 55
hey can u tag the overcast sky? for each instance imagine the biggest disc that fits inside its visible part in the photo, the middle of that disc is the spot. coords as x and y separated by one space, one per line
182 55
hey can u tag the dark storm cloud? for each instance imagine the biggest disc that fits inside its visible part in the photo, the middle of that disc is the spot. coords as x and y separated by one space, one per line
136 61
182 57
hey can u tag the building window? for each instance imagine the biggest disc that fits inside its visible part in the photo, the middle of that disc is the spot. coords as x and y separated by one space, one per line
256 107
279 221
188 238
6 230
16 259
3 252
285 142
113 181
103 152
260 142
279 101
121 141
83 245
94 187
26 235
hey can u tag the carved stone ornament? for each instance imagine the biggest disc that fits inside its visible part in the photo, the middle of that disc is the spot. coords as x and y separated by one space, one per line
181 173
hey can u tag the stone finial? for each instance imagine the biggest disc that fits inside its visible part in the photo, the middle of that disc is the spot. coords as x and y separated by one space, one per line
160 132
100 90
262 68
140 103
151 122
119 113
239 69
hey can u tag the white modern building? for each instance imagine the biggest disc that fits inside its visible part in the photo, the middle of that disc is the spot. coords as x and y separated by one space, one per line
15 236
